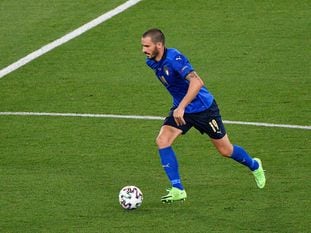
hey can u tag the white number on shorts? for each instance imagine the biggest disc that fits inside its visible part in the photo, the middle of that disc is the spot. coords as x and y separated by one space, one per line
214 125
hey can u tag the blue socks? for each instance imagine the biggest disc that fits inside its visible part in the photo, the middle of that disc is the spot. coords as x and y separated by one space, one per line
170 166
241 156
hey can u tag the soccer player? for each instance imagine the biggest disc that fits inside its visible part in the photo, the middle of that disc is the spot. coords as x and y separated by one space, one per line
193 106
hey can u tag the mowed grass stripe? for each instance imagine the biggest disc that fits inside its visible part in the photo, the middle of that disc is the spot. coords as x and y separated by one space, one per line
136 117
56 43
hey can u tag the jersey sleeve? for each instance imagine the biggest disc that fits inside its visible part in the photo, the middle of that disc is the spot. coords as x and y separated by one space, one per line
181 65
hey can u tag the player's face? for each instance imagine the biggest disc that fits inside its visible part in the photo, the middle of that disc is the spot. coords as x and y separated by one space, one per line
150 49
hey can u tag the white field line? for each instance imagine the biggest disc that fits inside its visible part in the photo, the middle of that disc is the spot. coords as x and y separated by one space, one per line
77 32
144 118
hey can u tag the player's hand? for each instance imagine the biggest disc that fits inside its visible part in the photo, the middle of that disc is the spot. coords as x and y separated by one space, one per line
178 115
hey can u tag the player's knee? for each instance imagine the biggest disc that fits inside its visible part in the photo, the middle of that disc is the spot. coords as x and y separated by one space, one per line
225 151
162 142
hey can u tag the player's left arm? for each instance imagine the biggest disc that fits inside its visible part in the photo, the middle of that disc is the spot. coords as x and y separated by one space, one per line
195 84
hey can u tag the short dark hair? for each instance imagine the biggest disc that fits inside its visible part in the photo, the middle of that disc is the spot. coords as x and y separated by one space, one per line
156 35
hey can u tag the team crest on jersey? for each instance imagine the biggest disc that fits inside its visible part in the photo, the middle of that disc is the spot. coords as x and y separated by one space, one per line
165 68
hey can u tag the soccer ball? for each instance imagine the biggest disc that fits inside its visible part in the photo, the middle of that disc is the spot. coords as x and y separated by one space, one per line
130 197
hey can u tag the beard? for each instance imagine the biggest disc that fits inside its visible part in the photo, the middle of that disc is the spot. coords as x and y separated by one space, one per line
153 54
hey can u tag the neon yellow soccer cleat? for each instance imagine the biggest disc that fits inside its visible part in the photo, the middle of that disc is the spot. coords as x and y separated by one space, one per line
174 194
259 175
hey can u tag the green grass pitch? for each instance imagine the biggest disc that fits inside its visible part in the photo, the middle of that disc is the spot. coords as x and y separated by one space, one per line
63 174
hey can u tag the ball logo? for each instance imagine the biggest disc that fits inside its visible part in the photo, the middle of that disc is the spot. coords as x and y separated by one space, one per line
130 197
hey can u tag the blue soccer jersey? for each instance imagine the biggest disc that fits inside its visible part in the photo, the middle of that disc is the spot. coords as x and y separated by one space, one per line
172 70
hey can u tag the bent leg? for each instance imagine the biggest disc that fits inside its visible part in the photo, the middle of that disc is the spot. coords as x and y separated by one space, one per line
169 161
235 152
238 154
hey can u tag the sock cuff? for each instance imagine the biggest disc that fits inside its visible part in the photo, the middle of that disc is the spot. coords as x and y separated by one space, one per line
235 150
165 148
166 151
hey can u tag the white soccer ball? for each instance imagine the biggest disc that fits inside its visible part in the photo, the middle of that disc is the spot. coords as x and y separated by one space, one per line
130 197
